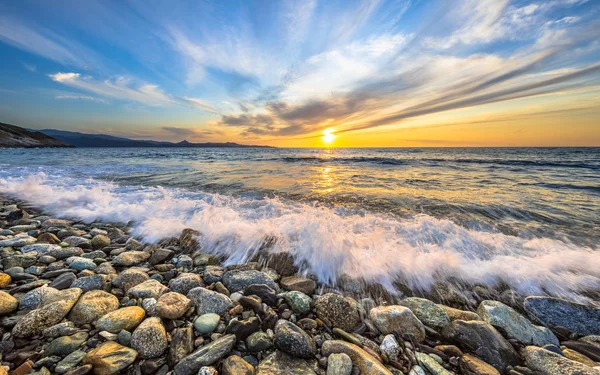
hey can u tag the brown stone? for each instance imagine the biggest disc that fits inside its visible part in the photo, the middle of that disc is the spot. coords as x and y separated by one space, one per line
471 365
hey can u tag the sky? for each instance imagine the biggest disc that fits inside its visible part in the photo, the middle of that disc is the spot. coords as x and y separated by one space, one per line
307 73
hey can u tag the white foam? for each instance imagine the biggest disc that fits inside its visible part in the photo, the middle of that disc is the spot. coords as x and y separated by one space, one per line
330 242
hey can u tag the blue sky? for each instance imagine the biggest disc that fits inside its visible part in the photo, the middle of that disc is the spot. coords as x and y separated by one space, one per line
281 72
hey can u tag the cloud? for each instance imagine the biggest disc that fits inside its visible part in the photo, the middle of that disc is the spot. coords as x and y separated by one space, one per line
42 42
121 88
201 104
81 97
179 131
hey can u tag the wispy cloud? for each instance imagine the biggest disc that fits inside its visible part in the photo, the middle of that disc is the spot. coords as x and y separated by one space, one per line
81 97
45 43
121 88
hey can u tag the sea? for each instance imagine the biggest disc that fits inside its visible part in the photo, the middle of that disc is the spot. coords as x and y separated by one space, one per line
528 218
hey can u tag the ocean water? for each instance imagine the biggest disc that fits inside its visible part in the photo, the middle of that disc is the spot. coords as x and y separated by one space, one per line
524 217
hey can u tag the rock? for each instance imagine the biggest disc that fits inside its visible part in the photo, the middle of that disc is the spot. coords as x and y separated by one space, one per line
427 312
205 355
471 365
258 342
56 223
282 263
76 241
100 241
130 258
188 240
64 345
40 248
243 328
390 347
213 274
149 305
124 337
299 284
80 263
81 370
5 280
148 289
92 305
69 362
267 294
239 280
110 358
206 323
577 318
207 301
150 338
8 303
340 333
18 241
207 370
63 281
365 362
66 252
293 340
481 339
60 329
514 325
431 365
53 310
182 344
337 311
172 305
299 302
185 282
48 238
94 282
578 357
585 346
252 302
33 299
545 362
130 278
125 318
399 320
24 369
235 365
339 364
279 363
160 256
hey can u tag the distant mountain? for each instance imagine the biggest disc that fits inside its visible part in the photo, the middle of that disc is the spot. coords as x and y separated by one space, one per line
102 140
12 136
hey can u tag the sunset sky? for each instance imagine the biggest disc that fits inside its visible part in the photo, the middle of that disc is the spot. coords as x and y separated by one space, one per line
307 73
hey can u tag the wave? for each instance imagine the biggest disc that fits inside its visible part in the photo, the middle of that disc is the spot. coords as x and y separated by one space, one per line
396 161
327 242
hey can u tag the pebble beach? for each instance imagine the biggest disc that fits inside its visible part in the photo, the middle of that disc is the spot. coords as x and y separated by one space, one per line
83 298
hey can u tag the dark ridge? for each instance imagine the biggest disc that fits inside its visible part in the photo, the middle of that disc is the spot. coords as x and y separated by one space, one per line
12 136
103 140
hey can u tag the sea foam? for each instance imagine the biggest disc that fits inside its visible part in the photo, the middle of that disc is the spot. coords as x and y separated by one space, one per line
326 241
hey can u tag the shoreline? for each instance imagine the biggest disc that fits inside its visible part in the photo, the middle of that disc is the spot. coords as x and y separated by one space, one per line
79 298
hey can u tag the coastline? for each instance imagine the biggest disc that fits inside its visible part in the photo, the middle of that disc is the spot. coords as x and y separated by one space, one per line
79 297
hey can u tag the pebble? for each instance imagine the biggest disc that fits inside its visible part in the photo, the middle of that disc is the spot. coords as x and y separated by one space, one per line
150 338
172 305
206 323
339 364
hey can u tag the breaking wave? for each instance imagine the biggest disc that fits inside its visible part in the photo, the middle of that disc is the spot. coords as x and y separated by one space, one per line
328 242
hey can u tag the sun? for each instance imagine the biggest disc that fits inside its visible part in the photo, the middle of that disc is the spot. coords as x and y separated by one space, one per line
328 136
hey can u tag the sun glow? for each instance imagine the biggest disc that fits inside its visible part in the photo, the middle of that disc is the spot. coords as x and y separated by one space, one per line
328 136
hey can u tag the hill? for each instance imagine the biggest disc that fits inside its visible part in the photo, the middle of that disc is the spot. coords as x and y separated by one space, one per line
12 136
103 140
